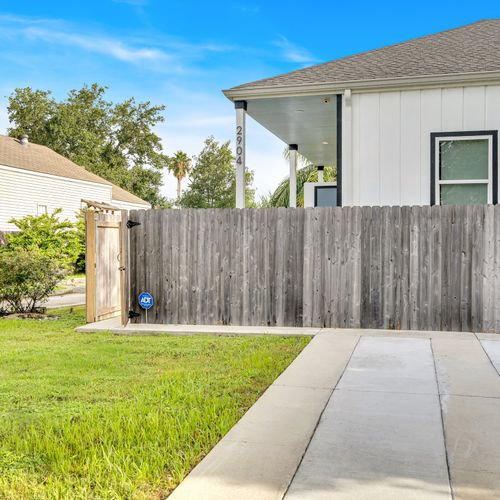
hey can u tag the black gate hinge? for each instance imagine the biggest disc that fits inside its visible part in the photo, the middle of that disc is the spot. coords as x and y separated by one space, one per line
131 224
133 314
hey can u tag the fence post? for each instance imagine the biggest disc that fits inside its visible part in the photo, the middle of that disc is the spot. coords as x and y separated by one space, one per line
124 268
90 270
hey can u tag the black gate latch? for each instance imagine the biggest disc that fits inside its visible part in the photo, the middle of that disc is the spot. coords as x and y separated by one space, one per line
131 223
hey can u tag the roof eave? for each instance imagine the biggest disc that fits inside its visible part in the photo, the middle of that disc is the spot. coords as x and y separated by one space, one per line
260 92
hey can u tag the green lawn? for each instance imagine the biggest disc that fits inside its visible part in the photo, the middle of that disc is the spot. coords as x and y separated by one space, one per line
103 416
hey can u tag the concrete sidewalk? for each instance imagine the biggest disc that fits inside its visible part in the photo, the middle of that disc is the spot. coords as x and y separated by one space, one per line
360 416
113 325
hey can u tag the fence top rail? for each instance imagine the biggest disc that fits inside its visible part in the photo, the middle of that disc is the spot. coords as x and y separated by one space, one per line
319 209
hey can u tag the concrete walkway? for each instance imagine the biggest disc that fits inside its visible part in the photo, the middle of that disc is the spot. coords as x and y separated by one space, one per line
113 325
367 416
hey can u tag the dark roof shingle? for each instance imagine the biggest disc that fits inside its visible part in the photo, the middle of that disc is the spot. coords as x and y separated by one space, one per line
468 49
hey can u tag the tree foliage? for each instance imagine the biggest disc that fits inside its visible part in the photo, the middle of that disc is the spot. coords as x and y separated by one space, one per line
27 278
115 141
281 196
212 181
180 166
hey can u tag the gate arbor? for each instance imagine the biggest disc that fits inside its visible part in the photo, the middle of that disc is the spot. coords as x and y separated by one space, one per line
105 263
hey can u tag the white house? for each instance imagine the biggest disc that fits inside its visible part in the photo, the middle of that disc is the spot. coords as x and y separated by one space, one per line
414 123
35 180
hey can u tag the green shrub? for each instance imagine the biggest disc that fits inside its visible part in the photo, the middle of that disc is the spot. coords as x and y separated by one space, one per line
49 236
27 277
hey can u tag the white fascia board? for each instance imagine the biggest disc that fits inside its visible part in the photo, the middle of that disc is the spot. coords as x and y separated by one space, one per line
127 205
359 86
50 176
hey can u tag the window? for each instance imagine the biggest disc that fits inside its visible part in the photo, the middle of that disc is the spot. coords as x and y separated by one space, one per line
464 168
41 209
325 196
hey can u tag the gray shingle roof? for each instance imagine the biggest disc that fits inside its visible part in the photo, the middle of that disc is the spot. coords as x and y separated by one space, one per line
468 49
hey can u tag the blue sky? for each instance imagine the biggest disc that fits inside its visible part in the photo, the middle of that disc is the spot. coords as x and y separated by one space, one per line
182 53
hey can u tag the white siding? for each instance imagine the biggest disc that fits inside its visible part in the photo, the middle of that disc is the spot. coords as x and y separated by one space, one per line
125 205
391 139
21 191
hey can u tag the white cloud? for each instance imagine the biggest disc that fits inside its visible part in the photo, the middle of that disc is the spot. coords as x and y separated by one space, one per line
179 55
106 46
294 53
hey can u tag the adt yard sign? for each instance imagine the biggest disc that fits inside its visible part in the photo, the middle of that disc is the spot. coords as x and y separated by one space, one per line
146 300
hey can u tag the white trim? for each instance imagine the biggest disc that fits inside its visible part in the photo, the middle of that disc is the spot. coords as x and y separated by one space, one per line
488 182
292 188
379 84
240 150
347 150
465 181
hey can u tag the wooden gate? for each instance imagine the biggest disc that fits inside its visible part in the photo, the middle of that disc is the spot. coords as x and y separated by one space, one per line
104 257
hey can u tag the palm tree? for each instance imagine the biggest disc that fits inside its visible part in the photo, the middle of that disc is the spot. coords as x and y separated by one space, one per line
308 173
179 165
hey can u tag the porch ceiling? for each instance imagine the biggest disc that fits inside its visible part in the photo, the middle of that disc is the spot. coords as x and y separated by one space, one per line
306 121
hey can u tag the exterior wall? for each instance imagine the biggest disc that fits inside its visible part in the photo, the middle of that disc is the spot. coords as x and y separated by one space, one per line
21 191
386 140
125 205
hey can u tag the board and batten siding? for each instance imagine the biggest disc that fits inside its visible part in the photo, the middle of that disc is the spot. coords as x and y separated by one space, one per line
389 161
22 191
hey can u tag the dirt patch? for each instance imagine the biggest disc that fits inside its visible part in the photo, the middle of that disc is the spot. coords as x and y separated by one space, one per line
32 315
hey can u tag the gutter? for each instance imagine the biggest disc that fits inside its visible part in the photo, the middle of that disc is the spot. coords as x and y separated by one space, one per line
358 86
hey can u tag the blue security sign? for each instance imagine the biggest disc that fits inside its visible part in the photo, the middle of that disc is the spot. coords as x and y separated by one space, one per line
146 300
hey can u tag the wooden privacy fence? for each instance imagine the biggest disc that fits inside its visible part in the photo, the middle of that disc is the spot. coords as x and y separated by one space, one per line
428 268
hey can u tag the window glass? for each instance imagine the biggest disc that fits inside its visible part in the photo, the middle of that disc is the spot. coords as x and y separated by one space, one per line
464 159
325 196
464 194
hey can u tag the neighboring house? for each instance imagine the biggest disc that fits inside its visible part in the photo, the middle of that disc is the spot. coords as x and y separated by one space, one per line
414 123
35 179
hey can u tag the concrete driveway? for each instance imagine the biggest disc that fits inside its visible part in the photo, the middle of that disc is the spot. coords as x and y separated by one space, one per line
367 415
66 300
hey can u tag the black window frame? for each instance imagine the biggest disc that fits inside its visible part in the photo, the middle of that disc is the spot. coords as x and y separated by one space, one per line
320 187
468 133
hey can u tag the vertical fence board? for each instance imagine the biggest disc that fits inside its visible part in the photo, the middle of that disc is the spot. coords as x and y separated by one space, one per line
496 237
489 270
366 214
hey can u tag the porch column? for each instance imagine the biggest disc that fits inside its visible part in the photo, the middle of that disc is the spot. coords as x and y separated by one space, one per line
293 148
241 111
320 173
